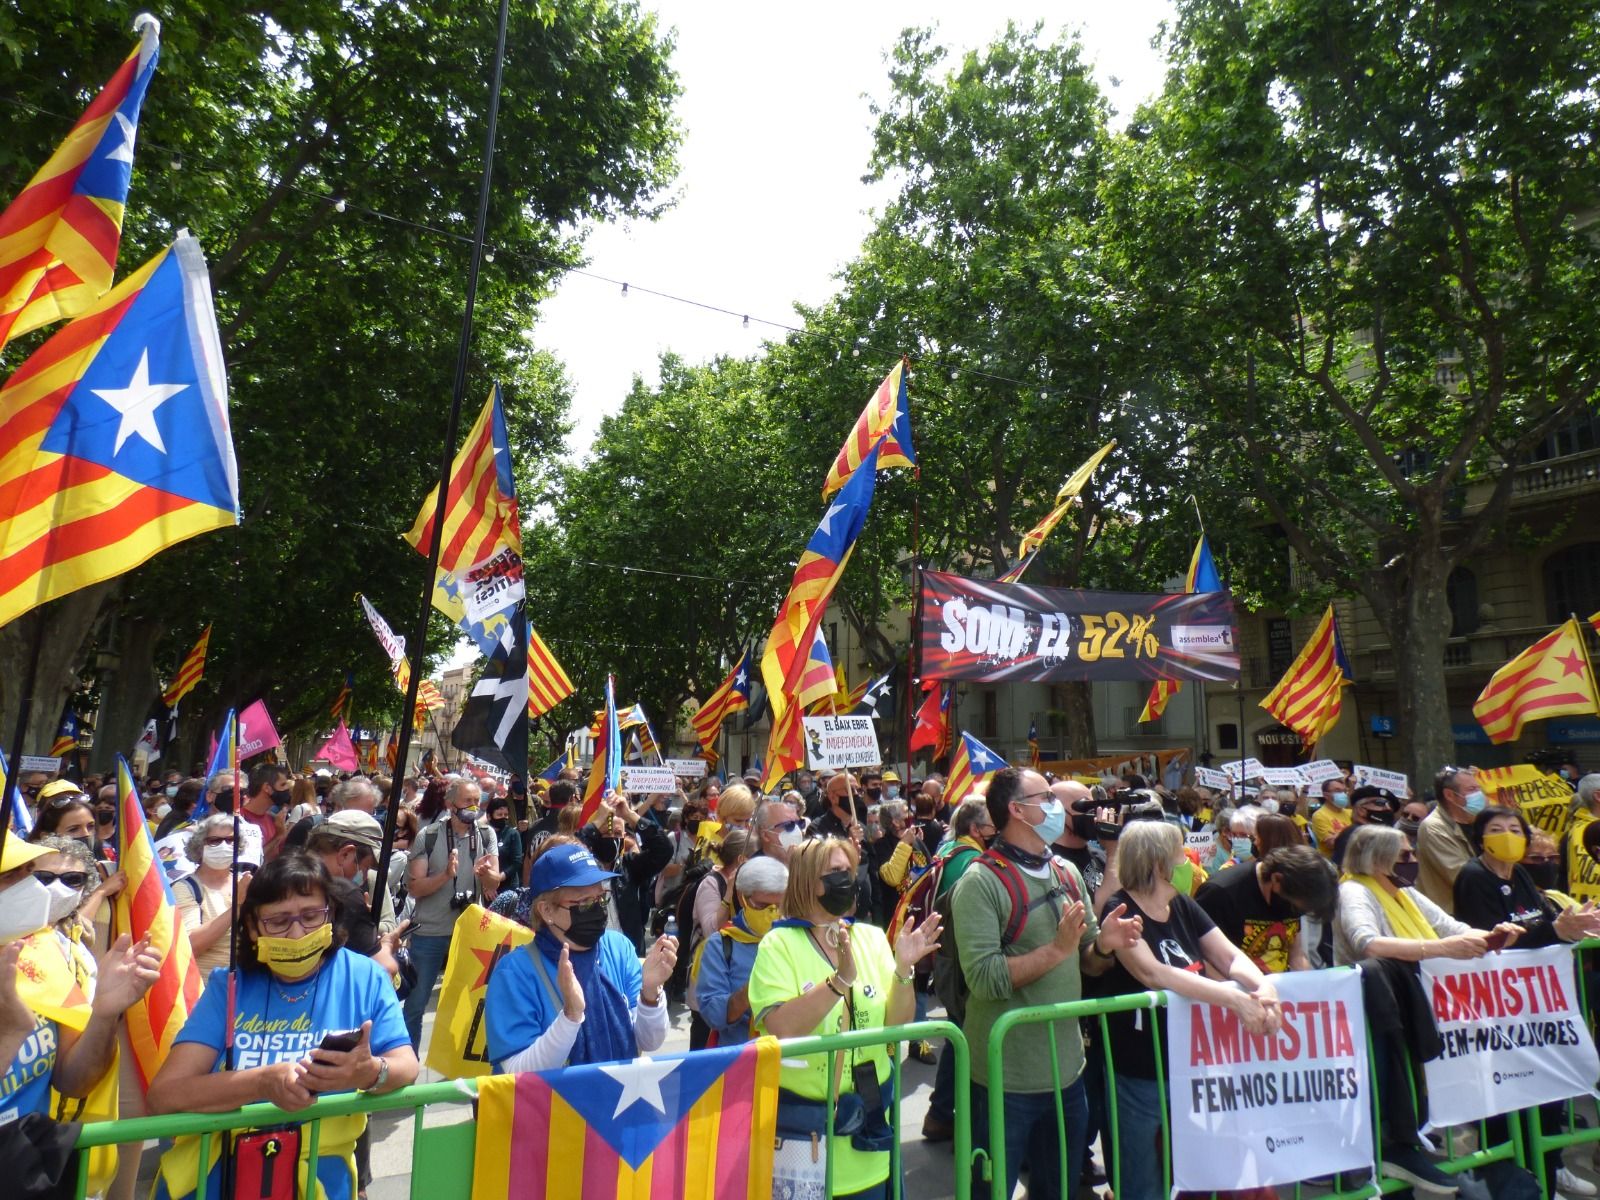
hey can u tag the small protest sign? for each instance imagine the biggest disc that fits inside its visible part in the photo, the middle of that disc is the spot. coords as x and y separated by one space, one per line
644 781
1319 772
835 742
1217 781
1238 771
1291 777
688 768
1394 781
39 762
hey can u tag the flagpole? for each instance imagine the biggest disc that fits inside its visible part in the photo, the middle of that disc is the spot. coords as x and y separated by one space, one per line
24 704
452 429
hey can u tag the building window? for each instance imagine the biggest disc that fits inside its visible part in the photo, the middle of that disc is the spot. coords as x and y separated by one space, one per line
1461 590
1576 436
991 713
1227 737
1572 582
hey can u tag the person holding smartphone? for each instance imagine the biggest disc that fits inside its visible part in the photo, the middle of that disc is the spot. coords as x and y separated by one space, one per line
296 986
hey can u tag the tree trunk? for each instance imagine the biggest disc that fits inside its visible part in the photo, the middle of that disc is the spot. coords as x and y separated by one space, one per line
1416 615
1077 702
62 630
129 690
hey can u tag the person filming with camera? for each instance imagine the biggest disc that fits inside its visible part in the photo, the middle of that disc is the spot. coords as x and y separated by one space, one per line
455 862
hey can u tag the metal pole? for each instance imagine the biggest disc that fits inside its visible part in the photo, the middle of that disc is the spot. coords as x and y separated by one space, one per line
452 428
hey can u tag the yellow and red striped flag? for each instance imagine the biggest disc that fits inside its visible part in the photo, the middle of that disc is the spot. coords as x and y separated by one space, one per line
686 1127
971 761
145 908
786 746
605 773
548 684
1551 678
337 710
481 505
428 699
189 673
821 563
1065 498
1310 696
885 423
59 237
732 695
816 681
1161 691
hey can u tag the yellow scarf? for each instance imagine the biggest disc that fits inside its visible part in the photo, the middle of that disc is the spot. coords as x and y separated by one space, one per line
1399 909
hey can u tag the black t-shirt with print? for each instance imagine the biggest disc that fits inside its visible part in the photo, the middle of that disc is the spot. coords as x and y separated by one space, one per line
1263 930
1483 900
1175 942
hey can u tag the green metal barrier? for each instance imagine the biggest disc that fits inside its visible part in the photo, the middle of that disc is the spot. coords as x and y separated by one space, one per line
444 1171
993 1162
1539 1142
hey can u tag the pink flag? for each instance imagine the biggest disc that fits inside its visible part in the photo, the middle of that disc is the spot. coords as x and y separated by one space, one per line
257 733
338 751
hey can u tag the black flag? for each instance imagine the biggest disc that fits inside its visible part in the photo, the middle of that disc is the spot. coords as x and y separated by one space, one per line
494 723
878 700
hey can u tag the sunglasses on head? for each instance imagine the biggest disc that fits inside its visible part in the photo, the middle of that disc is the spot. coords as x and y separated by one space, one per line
73 879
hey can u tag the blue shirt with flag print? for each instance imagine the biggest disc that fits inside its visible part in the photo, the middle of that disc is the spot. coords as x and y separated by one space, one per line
25 1086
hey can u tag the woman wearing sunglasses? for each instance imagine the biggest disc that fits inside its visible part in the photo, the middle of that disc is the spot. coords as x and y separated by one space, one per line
296 986
578 992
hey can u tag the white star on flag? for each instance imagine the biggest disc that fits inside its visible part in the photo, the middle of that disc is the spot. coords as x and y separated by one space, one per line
743 678
124 149
138 403
827 517
641 1082
980 757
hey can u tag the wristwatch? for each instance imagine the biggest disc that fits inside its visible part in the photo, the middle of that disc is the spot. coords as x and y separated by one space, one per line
383 1078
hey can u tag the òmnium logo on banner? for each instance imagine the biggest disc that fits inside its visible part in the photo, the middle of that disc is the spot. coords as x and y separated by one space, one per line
1514 1034
1307 1083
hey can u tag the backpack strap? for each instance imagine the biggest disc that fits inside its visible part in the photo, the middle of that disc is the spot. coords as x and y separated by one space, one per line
1010 877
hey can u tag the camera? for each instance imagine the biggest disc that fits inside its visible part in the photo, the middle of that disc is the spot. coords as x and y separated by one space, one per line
460 900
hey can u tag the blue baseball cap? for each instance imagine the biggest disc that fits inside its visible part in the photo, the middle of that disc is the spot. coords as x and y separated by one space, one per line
566 866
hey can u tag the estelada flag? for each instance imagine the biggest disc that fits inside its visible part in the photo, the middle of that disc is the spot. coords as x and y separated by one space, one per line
697 1126
459 1045
786 746
145 908
884 423
971 762
59 237
1551 678
481 505
114 436
732 695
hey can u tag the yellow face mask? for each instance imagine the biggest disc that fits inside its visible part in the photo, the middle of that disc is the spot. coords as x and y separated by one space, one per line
1507 847
759 920
295 958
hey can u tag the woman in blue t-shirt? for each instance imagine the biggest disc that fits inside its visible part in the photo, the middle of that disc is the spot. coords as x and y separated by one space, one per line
296 985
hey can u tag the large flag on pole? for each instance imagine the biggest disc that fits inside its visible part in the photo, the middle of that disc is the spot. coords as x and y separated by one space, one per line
1310 696
341 702
786 746
480 513
114 437
493 724
884 423
548 684
59 237
189 672
821 563
1551 678
931 725
145 908
732 695
1202 576
394 645
816 681
605 774
692 1127
1065 498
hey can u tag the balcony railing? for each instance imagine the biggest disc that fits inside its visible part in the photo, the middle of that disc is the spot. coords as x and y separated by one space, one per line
1558 474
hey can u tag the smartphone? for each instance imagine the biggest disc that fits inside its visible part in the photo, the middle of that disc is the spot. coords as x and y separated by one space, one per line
1495 940
341 1039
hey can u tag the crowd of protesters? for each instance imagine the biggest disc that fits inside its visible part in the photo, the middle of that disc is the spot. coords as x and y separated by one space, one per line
839 901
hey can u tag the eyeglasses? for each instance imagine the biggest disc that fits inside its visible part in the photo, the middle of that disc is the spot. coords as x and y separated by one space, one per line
307 918
799 823
222 840
73 879
582 906
1032 799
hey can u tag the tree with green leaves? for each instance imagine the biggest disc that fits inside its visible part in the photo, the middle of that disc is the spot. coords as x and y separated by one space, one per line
1361 235
327 156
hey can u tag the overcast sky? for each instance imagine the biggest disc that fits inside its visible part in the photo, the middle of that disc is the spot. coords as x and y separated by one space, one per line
770 202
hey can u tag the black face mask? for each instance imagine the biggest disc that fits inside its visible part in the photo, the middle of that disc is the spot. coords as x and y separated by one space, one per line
692 825
1404 874
838 893
498 822
1545 875
1381 817
280 798
587 924
106 816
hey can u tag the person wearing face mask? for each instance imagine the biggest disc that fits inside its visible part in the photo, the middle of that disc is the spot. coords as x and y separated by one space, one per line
506 835
1496 886
1368 806
454 863
1583 871
66 813
891 785
45 1043
1076 835
1026 933
295 985
1333 817
265 805
1443 843
1381 916
348 843
721 974
1259 907
779 829
817 973
578 993
205 898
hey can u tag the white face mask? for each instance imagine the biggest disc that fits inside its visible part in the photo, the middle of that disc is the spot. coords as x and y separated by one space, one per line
1269 806
24 909
217 857
790 838
64 900
162 810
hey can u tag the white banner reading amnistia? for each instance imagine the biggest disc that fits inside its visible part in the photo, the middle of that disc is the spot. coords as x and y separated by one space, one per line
1514 1034
1265 1111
